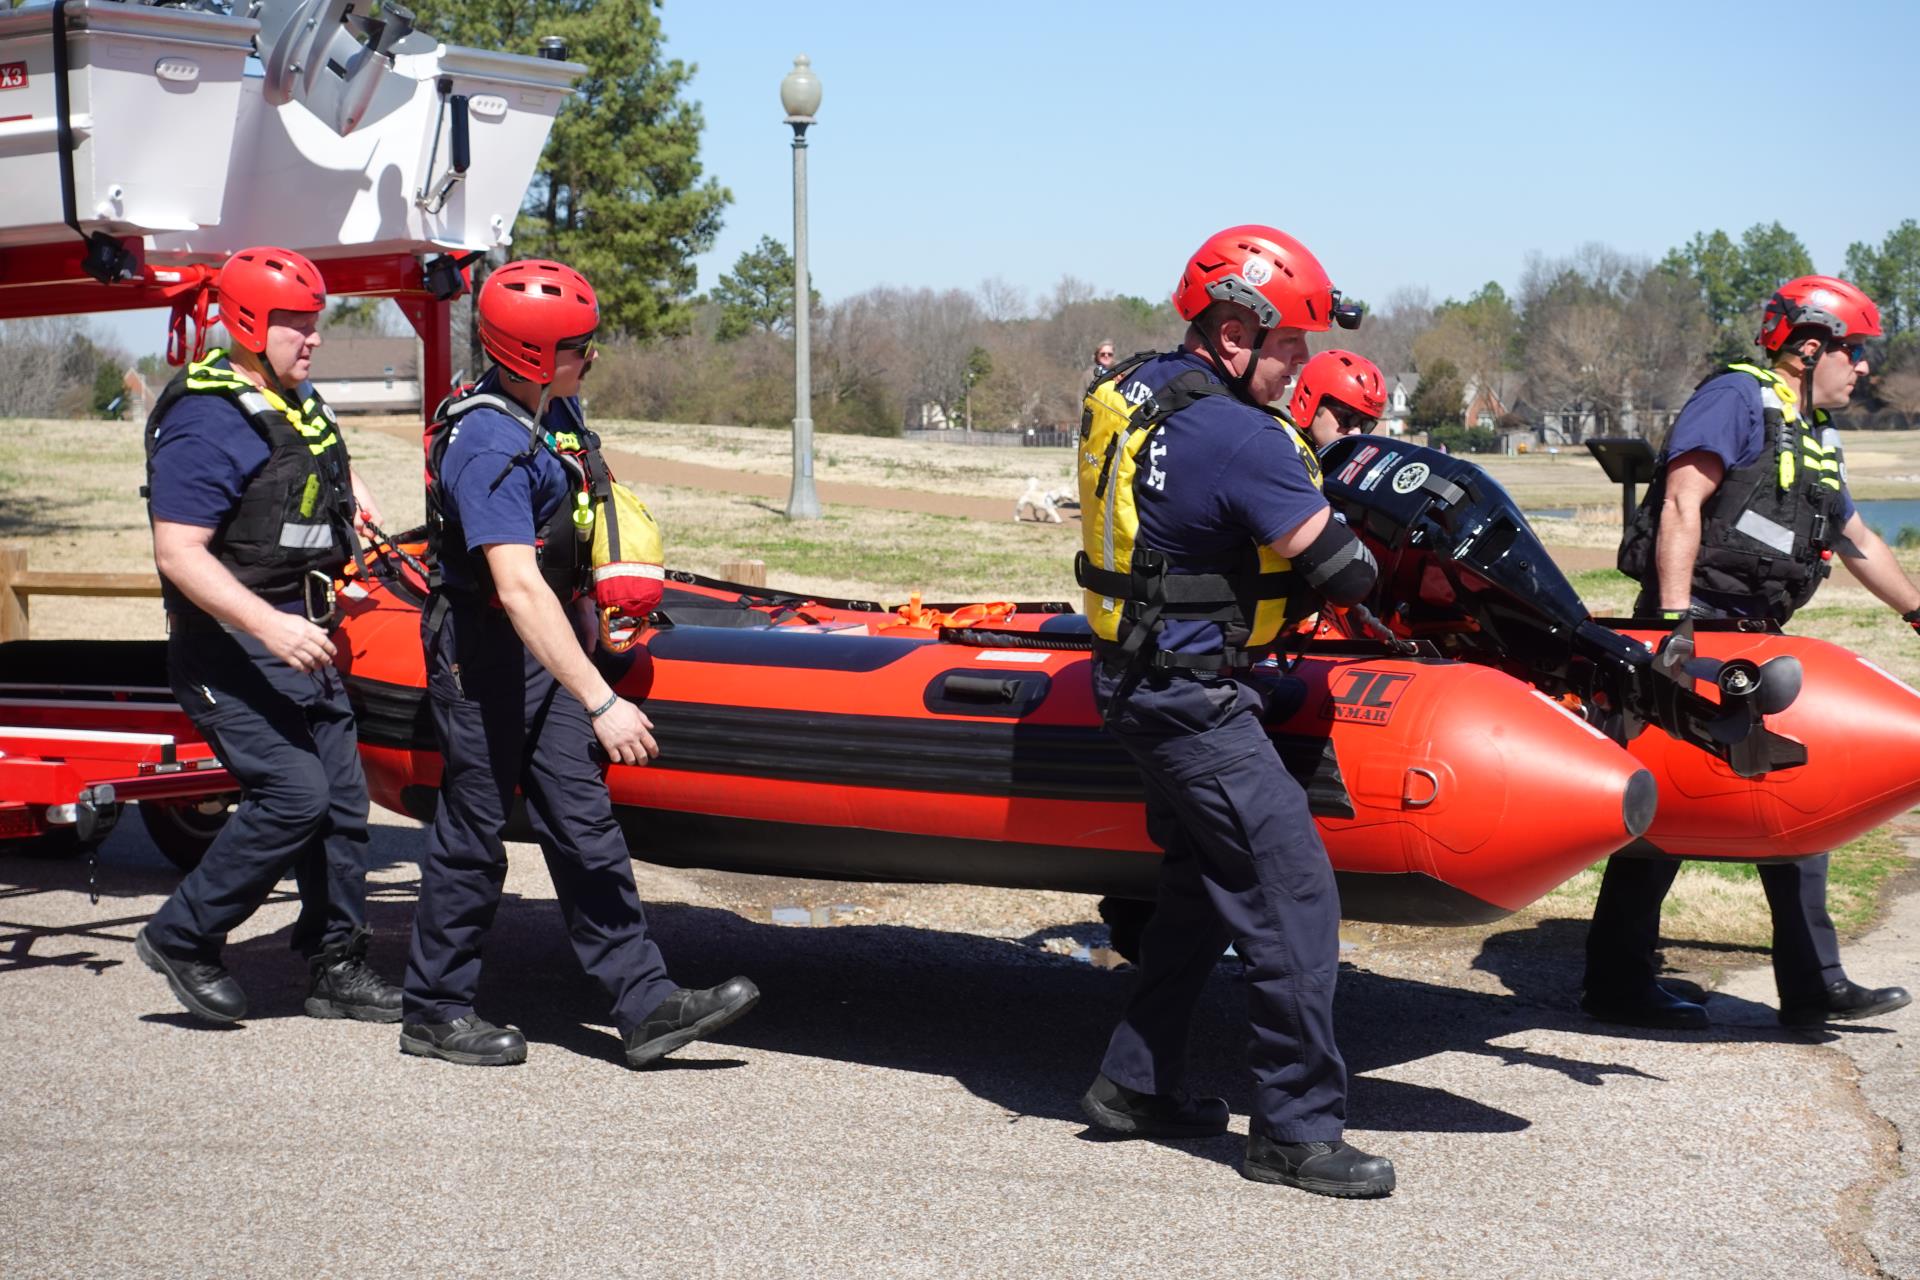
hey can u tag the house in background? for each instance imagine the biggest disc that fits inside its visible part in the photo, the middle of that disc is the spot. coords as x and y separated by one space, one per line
1571 425
1400 389
1484 406
368 373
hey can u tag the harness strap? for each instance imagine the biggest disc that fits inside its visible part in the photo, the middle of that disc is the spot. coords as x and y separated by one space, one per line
1185 590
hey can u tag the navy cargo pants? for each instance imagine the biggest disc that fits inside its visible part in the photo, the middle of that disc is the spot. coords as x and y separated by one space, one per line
288 737
1244 864
1626 927
1626 920
504 724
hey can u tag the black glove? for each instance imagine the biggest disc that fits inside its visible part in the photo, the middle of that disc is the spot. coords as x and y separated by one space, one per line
1912 619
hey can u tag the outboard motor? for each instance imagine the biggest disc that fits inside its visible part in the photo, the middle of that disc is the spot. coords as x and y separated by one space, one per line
1461 568
330 58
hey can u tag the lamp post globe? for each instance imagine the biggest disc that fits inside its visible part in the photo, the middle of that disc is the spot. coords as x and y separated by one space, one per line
800 90
800 97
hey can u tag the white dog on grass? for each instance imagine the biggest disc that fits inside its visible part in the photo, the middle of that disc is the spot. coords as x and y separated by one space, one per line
1042 504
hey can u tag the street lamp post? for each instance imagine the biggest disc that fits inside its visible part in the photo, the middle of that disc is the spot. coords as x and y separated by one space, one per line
800 96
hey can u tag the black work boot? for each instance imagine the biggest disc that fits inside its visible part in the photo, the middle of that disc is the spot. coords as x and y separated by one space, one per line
1843 1001
1116 1109
1324 1168
1653 1007
471 1041
686 1016
344 985
207 990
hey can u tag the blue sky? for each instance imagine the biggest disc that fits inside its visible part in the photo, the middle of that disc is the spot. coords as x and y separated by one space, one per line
1406 144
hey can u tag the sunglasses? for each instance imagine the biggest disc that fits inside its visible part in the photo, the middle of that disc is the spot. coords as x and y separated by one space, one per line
1350 418
582 343
1856 351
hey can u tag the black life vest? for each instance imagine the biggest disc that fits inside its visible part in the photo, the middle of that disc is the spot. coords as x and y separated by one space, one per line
1768 530
295 517
563 544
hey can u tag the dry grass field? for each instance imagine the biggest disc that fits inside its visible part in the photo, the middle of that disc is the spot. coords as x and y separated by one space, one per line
69 492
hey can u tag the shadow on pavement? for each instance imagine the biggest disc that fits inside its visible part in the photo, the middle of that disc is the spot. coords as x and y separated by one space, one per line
1016 1026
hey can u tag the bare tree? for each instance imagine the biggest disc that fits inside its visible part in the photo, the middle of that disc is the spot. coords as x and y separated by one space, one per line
1387 335
938 332
1667 335
1576 359
1069 291
859 363
37 374
1003 302
1901 391
1025 388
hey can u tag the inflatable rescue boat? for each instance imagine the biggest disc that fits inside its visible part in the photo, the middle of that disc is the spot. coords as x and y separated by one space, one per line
1763 745
837 739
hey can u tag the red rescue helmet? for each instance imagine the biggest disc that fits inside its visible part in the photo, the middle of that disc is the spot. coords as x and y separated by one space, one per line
1269 273
528 308
1825 302
1340 376
257 282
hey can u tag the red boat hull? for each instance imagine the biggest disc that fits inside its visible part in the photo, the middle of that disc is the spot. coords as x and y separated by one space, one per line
1861 730
840 744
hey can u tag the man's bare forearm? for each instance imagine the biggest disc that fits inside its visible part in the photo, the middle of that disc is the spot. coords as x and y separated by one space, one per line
210 585
1674 554
543 626
1878 571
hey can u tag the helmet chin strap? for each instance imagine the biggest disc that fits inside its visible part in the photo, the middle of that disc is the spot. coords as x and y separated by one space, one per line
1807 364
540 407
1241 384
270 375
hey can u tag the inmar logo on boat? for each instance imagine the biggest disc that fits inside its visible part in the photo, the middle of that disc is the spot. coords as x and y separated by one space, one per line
1367 697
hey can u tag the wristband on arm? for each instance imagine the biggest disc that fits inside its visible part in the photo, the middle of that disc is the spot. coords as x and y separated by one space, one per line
604 707
1912 618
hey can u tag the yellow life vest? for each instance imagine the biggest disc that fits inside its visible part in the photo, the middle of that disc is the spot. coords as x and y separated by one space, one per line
1130 588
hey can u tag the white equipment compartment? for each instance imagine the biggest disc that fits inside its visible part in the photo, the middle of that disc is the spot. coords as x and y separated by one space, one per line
153 95
383 187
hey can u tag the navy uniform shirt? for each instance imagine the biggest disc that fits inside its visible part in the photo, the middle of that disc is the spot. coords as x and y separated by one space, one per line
1724 419
499 495
205 455
1216 477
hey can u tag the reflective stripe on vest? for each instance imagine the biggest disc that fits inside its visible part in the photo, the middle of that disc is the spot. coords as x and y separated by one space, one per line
295 513
1820 455
310 529
313 419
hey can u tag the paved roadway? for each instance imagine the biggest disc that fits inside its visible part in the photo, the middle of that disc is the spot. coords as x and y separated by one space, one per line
902 1104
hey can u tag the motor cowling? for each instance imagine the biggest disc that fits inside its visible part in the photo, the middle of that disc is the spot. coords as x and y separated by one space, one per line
1461 568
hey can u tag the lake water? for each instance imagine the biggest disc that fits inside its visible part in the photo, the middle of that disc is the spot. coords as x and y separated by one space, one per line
1885 516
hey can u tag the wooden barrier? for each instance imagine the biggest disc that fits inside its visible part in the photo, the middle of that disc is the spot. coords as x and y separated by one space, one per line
19 583
748 573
